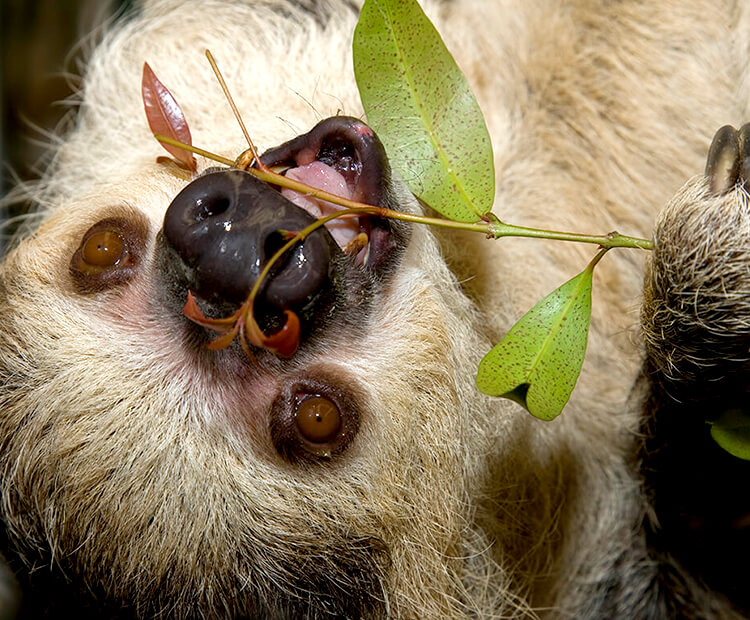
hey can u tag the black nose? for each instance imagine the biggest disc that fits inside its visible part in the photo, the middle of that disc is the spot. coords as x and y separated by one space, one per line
225 226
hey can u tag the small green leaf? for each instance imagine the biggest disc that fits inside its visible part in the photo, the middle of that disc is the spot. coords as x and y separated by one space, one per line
538 362
731 430
419 103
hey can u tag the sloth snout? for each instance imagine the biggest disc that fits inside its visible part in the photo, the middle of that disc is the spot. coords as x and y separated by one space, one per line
224 228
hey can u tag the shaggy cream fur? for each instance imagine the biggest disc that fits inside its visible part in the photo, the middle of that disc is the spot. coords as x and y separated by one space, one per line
139 470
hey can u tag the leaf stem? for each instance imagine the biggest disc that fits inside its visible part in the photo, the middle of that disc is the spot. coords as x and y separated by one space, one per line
299 236
595 261
194 149
608 241
493 229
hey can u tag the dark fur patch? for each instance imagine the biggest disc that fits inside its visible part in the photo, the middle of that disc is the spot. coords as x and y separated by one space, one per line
701 509
347 580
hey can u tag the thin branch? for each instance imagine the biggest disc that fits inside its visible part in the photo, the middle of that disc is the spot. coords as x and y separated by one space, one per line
230 99
492 229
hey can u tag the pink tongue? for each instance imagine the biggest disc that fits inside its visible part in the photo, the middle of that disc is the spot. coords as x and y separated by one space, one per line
321 176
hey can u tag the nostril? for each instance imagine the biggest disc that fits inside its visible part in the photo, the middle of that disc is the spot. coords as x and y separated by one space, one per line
273 243
224 227
211 206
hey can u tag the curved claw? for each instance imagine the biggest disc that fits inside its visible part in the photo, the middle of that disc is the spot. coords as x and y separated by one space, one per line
723 163
743 140
728 160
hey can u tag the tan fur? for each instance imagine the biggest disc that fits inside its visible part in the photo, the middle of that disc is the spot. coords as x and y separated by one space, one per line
152 477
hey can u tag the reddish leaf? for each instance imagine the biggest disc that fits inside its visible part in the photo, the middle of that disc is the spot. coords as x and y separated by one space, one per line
193 312
283 343
165 116
222 342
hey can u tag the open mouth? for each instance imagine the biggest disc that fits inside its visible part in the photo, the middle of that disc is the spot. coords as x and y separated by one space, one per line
222 230
342 156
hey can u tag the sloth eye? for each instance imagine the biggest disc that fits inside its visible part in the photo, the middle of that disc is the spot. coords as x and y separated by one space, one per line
107 255
318 419
104 248
314 419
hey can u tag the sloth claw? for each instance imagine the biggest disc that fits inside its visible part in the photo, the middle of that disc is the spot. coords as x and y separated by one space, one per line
728 160
743 140
723 163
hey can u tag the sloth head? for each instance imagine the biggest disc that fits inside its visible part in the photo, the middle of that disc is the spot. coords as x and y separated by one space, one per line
161 474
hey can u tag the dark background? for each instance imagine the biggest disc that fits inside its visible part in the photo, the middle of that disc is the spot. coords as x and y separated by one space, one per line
42 45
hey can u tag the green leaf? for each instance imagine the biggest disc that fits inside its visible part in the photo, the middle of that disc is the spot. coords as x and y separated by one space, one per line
538 362
419 103
731 430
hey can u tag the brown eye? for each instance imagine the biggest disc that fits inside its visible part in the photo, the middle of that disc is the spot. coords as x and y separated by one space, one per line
318 419
108 254
104 248
315 418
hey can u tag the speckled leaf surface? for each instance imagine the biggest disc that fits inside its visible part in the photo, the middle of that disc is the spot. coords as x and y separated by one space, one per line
538 362
419 103
731 431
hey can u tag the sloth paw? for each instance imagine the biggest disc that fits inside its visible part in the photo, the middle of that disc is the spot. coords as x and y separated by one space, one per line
695 321
696 311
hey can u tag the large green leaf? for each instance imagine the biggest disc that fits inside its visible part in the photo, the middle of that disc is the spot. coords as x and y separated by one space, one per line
418 102
731 430
538 362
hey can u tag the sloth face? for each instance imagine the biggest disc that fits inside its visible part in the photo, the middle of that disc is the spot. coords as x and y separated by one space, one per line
158 472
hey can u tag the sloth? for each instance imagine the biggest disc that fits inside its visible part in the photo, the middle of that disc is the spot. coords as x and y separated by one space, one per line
362 474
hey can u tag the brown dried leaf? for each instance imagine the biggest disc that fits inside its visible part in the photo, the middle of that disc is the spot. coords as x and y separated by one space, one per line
283 343
165 116
192 311
222 342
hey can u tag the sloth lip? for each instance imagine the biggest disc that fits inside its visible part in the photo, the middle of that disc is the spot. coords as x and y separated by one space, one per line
342 156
